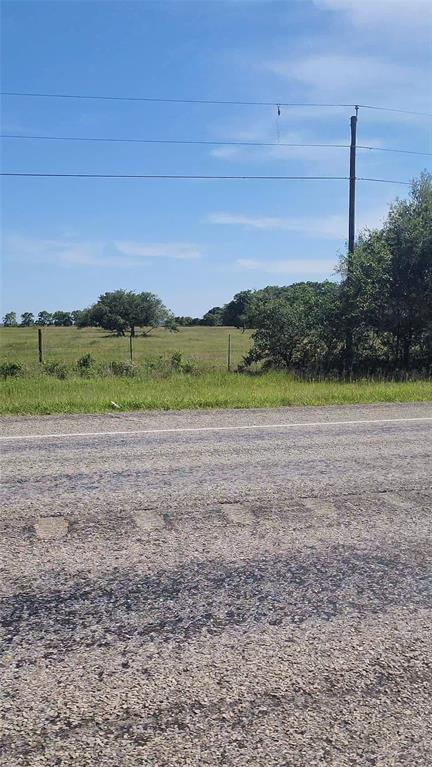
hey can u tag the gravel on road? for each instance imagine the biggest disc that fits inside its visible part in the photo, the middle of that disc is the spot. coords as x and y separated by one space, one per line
187 589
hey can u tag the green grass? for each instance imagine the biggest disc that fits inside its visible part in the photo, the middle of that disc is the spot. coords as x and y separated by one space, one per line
206 345
43 395
37 393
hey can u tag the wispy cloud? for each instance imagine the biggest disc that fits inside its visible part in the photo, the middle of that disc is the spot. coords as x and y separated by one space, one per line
294 266
104 254
342 77
394 13
333 227
181 250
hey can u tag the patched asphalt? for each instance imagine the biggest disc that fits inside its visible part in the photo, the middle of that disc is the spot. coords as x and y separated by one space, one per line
224 596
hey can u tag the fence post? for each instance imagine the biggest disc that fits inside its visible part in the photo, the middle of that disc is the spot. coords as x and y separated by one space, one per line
40 345
229 353
130 348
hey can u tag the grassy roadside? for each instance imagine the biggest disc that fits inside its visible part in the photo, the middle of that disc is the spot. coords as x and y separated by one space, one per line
40 395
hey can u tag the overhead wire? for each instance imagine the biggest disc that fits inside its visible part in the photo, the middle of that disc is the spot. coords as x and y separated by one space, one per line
228 102
197 177
208 142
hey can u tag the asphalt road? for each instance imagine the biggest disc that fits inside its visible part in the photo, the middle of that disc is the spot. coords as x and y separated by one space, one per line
218 588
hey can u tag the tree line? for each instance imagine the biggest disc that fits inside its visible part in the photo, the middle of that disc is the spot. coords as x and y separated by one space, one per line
376 318
105 314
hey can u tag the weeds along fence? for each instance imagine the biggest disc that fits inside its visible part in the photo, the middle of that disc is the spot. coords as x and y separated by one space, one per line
196 349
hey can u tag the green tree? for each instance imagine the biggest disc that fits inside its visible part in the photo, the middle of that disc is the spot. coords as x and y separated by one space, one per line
234 313
388 288
81 318
300 329
27 319
44 318
10 320
62 319
213 316
184 321
171 324
123 311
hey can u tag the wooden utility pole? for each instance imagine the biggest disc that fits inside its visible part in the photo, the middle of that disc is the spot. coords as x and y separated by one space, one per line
351 240
131 348
352 185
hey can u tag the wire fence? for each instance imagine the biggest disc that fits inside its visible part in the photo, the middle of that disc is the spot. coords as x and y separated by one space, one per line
203 348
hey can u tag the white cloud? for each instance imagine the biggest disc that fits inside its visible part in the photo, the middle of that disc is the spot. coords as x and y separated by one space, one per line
333 226
369 13
348 74
346 78
296 266
73 252
181 250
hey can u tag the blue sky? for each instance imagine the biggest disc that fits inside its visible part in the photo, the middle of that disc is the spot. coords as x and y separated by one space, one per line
196 243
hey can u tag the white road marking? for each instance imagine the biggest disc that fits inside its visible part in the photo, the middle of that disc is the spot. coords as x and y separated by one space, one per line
213 428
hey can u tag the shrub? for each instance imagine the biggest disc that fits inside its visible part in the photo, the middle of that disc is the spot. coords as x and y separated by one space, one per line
11 369
122 369
56 369
180 364
85 364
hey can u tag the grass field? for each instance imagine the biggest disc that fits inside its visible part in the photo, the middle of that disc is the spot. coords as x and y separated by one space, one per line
207 346
211 386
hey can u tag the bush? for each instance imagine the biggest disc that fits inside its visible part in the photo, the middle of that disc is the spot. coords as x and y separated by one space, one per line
122 369
180 364
11 369
85 364
56 369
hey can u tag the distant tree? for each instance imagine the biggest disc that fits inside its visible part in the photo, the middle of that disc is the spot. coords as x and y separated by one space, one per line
213 316
62 319
44 318
184 321
171 325
10 320
235 311
123 311
81 318
27 319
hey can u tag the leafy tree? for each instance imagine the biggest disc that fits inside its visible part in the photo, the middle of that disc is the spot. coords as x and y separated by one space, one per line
123 311
62 319
44 318
388 288
234 313
171 325
81 318
213 316
10 320
301 328
27 319
184 321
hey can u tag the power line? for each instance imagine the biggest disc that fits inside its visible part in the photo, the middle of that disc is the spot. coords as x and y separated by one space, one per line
212 142
208 101
163 176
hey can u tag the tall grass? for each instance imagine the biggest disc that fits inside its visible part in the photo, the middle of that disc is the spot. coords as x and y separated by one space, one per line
43 395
